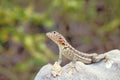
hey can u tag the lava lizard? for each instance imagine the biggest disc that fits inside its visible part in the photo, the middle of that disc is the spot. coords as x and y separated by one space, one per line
71 53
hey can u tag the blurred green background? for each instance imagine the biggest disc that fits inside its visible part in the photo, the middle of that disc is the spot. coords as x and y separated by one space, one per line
88 25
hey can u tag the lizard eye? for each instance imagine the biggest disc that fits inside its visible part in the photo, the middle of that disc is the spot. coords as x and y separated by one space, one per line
60 38
54 32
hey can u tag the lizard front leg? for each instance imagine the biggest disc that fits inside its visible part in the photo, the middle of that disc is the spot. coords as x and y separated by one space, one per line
72 66
57 69
60 57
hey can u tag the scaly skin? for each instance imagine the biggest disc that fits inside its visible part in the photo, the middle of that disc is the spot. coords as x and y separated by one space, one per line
71 53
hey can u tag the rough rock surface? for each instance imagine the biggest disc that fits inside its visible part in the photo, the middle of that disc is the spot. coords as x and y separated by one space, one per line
95 71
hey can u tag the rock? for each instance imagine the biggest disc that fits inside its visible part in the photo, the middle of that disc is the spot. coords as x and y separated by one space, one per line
95 71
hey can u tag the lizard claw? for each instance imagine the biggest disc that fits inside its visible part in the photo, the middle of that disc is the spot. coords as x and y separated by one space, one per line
109 62
56 69
72 67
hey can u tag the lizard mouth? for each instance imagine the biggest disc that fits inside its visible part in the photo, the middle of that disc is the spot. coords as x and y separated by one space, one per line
49 35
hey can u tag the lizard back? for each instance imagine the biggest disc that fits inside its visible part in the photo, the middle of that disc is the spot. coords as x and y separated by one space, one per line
67 50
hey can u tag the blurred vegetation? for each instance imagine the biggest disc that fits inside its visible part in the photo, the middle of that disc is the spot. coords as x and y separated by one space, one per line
17 40
23 24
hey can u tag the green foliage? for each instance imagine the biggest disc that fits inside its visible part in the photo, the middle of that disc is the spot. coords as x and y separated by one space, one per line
9 73
75 9
13 22
86 39
111 27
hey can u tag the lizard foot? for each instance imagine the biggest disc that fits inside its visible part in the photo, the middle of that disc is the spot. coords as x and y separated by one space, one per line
108 62
56 69
72 67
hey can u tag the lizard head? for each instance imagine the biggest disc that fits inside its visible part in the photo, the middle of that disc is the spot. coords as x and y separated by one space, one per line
57 38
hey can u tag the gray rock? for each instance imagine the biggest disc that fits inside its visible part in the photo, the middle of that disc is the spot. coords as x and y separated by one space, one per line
95 71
